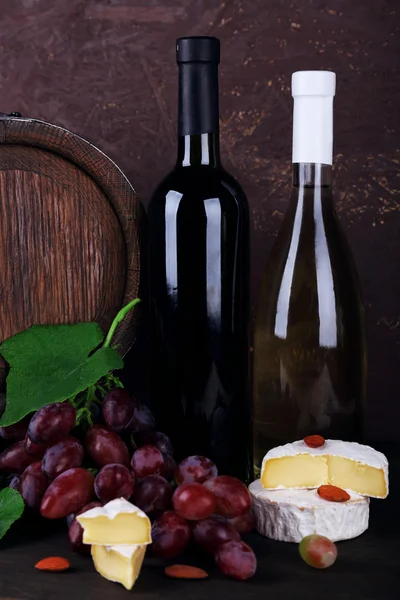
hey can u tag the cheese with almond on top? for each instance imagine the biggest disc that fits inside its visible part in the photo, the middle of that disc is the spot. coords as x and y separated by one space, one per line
351 466
291 515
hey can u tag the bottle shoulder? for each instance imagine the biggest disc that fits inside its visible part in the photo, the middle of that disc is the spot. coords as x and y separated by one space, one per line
312 225
311 252
199 183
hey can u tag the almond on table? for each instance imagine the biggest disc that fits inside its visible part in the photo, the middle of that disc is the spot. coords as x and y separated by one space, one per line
53 563
185 572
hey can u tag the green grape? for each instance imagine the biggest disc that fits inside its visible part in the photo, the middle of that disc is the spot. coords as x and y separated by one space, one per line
318 551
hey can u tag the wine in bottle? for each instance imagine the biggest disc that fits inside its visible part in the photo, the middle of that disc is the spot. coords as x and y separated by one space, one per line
199 281
309 346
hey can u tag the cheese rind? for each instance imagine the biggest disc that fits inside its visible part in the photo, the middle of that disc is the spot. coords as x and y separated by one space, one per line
354 467
117 522
290 515
121 564
114 508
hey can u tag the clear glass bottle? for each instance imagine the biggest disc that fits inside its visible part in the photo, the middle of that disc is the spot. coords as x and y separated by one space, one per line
309 347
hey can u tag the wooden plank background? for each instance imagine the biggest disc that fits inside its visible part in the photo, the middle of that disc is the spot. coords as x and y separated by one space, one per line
106 70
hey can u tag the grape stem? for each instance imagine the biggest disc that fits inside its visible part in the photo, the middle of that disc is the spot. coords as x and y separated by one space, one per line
110 379
83 412
90 397
113 381
119 317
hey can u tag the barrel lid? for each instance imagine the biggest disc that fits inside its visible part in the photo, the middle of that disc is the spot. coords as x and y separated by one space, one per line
69 232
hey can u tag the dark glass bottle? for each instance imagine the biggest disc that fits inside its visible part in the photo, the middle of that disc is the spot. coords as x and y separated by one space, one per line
309 346
199 281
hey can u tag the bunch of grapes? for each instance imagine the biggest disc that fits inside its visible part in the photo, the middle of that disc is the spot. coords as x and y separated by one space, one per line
61 471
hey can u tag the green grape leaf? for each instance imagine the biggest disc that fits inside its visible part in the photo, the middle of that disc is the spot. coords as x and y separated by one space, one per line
50 363
11 509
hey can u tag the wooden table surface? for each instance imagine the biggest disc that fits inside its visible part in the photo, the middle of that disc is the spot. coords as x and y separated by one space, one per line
367 568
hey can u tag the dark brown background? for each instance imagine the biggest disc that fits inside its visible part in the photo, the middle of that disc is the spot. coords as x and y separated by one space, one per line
106 70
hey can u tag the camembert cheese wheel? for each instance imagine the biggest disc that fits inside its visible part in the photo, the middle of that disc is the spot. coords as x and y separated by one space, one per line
348 465
290 515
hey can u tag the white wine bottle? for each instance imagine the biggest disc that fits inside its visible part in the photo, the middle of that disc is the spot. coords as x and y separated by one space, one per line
309 346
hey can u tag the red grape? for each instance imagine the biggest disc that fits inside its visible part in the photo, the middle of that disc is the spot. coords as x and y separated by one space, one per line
67 493
244 523
114 481
210 533
14 459
318 551
32 485
66 454
17 431
236 560
95 413
170 534
155 438
147 460
169 467
75 531
142 419
195 468
71 516
75 539
106 447
193 501
88 506
117 409
52 422
153 494
233 497
14 483
36 450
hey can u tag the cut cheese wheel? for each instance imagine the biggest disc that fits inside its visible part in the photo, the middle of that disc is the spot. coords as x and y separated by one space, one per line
290 515
121 564
348 465
117 522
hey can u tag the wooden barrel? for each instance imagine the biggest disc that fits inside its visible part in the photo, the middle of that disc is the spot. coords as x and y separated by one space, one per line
69 232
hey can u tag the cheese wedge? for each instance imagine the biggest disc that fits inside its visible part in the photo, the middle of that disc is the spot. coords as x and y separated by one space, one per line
348 465
121 564
117 522
290 515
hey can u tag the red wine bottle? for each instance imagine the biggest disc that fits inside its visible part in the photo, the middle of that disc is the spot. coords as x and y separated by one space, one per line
199 281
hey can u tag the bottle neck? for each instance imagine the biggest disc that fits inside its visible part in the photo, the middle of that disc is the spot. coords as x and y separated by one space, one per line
313 129
198 115
199 150
312 175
